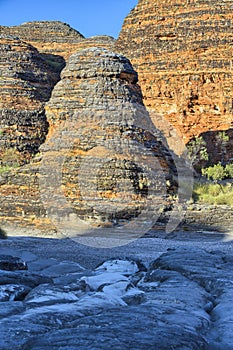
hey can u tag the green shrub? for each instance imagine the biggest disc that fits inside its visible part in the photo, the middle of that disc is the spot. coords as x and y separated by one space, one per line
229 171
215 173
9 159
6 168
212 193
214 190
225 198
10 156
218 172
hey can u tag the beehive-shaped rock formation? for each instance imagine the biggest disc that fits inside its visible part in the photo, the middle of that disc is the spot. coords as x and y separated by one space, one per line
55 39
98 105
26 81
182 51
102 159
50 37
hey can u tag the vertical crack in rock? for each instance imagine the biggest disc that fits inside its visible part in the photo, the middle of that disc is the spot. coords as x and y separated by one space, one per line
26 81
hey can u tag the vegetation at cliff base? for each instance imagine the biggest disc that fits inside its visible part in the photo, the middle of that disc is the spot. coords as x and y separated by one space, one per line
212 193
219 188
197 150
218 172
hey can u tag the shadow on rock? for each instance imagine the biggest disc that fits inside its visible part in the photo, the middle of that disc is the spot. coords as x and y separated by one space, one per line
3 234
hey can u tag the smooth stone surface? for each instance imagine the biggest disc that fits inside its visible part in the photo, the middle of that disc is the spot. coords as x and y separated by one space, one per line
181 299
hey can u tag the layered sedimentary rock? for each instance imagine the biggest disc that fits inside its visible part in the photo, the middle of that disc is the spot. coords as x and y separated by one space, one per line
27 78
104 41
183 55
26 81
49 37
98 119
56 40
102 159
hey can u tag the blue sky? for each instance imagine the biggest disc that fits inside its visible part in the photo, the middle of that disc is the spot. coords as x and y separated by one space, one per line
90 17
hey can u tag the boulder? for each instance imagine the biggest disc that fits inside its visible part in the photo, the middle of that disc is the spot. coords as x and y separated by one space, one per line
13 292
104 164
11 263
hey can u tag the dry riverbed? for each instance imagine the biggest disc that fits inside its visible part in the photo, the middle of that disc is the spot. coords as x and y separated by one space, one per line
158 292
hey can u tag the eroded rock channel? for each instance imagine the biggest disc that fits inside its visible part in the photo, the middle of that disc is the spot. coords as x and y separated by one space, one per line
179 300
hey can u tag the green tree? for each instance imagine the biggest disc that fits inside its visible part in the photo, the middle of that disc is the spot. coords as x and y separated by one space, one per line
216 173
222 140
229 170
197 150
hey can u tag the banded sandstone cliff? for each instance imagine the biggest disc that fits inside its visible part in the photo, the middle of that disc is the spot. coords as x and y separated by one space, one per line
55 39
28 75
100 138
26 82
183 54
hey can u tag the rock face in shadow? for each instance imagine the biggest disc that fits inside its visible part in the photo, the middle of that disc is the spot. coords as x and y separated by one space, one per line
26 81
10 263
183 55
221 153
180 300
103 158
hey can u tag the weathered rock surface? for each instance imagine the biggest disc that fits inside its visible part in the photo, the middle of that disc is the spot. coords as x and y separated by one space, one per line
56 40
109 139
20 197
183 55
49 37
101 144
11 263
26 81
214 146
180 300
104 41
215 217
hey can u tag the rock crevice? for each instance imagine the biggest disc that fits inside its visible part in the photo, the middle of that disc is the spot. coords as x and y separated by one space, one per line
26 82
